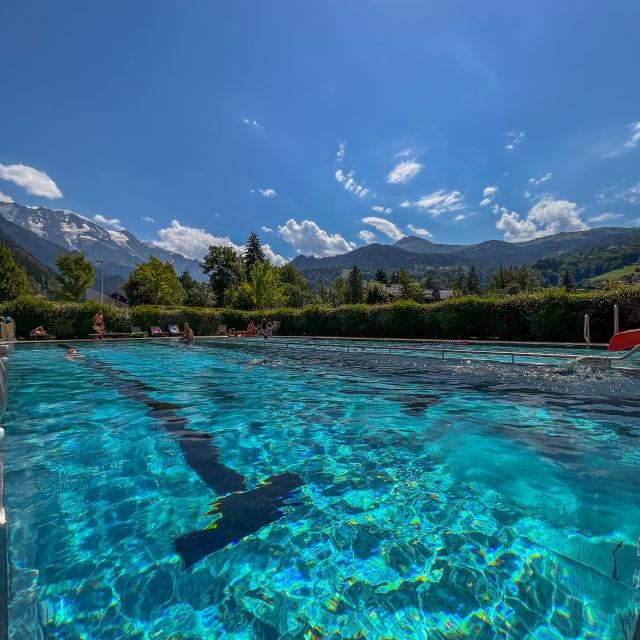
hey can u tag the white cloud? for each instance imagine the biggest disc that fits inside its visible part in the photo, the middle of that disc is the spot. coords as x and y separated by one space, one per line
341 150
379 209
460 217
405 153
527 194
489 194
367 236
114 223
515 138
267 229
631 195
309 239
418 231
384 226
634 140
5 198
404 171
35 182
267 193
272 256
605 217
538 181
349 183
635 222
545 218
190 241
441 202
147 219
253 123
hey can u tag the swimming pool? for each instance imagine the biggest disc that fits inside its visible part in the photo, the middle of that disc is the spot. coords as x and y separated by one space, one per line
368 495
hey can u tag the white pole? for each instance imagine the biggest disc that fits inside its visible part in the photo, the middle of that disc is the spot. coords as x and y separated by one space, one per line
587 335
616 320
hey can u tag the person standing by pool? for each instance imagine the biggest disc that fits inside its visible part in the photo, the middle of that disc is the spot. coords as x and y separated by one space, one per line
98 323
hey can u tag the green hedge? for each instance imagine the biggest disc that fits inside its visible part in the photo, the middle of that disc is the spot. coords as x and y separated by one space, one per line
548 315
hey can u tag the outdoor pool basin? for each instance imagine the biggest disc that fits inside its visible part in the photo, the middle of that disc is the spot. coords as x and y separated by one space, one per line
333 489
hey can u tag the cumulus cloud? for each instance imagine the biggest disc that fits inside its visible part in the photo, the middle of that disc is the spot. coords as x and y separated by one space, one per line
538 181
405 203
488 193
379 209
384 226
252 123
267 193
419 231
342 146
545 218
605 217
147 219
5 198
114 223
404 171
348 182
367 236
309 239
274 258
441 202
35 182
634 140
190 241
515 138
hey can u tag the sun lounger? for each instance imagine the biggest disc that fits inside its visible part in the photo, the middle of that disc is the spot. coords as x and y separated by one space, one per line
222 330
173 330
156 332
37 336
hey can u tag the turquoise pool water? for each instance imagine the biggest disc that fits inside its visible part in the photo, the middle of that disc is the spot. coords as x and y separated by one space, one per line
361 495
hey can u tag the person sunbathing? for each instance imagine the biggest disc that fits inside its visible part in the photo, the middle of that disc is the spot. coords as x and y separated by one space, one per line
39 331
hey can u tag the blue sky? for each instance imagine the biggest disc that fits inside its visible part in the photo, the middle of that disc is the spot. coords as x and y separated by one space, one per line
331 124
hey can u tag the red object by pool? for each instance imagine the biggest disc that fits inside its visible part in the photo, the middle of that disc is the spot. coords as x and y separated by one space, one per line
625 340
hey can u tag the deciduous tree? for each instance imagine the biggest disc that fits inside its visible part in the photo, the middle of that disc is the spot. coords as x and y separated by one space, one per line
13 279
75 277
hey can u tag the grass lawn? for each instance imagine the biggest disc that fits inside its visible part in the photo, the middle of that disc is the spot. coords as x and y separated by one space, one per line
616 274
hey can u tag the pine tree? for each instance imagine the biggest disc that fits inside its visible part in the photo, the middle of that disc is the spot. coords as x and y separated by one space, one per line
13 279
473 282
252 253
459 284
567 282
381 276
355 286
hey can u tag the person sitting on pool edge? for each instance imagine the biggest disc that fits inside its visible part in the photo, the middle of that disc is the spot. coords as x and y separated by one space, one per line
98 323
251 329
188 332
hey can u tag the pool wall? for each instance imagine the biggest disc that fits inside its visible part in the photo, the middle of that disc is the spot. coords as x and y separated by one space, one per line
4 583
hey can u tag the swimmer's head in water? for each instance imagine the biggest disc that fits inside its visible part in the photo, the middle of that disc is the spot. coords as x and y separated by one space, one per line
72 350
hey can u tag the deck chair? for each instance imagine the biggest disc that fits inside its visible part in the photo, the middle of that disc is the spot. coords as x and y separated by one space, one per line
136 330
156 331
37 336
173 330
222 330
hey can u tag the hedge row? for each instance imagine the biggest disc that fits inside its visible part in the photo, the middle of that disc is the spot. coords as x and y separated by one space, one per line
547 315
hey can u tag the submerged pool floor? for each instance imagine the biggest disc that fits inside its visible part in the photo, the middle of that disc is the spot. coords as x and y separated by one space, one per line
221 490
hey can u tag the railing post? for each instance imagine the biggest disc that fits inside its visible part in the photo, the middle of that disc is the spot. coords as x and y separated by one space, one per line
616 320
587 332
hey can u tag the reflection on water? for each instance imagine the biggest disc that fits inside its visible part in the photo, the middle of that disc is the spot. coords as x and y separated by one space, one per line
377 496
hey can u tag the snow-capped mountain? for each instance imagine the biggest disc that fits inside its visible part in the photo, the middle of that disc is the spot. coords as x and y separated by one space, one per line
120 250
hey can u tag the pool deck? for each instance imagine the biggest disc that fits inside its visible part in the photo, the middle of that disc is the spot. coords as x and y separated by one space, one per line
336 338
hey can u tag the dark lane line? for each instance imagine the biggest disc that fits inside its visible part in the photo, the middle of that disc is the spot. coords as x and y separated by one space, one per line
240 512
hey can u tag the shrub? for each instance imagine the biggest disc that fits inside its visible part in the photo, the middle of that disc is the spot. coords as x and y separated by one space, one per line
552 314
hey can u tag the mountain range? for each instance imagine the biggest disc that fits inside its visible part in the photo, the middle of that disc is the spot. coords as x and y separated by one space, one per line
45 233
38 234
418 256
